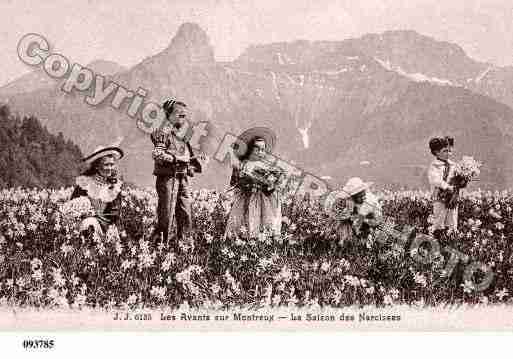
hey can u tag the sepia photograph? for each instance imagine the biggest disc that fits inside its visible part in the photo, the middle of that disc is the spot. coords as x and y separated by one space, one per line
235 166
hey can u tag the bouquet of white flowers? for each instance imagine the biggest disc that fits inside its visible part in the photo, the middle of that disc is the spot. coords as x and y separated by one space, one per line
77 208
263 172
465 171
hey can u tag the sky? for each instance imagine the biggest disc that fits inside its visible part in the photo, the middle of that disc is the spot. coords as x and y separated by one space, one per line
127 31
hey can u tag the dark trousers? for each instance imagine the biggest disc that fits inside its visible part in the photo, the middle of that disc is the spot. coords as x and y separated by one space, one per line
173 202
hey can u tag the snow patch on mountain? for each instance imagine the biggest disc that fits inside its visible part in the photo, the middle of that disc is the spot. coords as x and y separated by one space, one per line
304 136
283 59
275 87
483 74
332 73
301 80
280 59
417 77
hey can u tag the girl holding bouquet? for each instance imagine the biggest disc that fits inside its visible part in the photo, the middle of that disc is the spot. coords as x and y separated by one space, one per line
257 203
100 186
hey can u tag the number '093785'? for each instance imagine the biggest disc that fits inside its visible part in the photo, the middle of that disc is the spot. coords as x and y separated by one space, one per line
38 344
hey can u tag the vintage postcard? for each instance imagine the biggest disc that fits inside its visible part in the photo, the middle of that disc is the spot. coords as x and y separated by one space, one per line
256 165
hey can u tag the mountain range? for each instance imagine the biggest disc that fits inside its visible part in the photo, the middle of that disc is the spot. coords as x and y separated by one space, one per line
357 107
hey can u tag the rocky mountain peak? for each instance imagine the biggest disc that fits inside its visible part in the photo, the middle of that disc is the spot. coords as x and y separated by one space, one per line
105 67
191 44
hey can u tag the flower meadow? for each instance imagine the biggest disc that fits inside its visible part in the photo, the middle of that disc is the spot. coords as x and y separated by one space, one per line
46 262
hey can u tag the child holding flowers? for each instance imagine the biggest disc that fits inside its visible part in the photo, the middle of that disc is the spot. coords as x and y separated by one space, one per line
440 172
257 202
447 178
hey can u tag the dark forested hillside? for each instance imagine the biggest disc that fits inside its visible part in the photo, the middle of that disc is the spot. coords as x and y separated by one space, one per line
32 157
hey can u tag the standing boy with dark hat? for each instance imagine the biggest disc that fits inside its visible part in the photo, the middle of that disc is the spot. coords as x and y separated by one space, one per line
439 176
174 163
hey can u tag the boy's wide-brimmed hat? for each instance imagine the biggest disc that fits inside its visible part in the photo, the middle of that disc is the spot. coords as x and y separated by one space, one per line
249 135
102 151
355 185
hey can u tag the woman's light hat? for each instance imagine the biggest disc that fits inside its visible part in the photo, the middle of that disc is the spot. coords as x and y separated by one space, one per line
250 134
102 151
355 185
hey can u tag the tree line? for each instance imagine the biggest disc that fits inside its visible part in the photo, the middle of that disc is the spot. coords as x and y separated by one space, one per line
31 156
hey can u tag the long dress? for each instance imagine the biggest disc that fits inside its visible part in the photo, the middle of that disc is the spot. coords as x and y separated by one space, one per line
105 198
255 208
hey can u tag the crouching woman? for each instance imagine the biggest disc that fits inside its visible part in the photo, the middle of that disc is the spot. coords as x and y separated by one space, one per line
101 185
361 213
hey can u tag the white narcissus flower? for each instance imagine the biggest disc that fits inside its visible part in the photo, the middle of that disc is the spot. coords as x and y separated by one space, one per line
325 266
112 234
352 281
132 299
468 286
80 301
344 263
21 282
284 275
168 261
215 288
158 292
387 299
118 248
209 238
74 280
58 278
394 293
66 249
502 294
336 296
420 279
35 264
